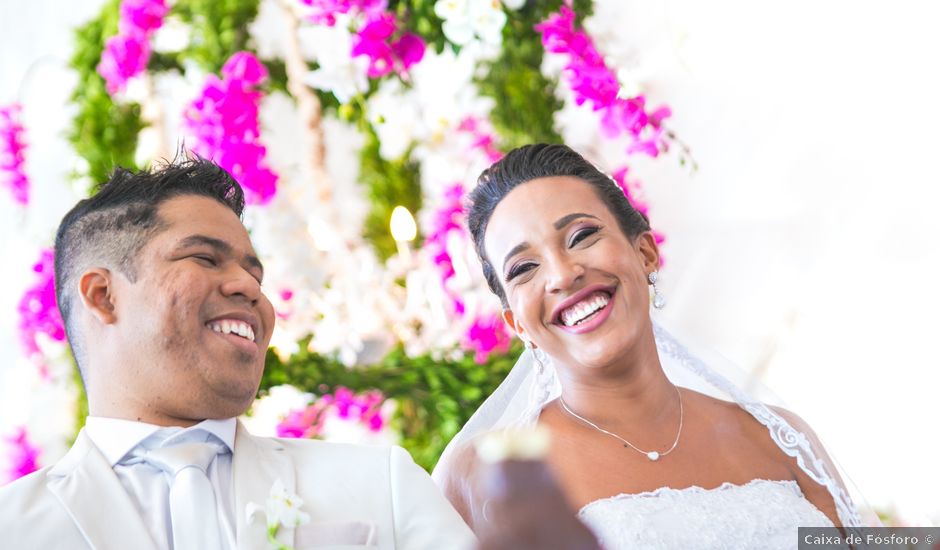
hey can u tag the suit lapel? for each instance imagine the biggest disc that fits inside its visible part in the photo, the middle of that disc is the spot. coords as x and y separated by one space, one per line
87 487
256 464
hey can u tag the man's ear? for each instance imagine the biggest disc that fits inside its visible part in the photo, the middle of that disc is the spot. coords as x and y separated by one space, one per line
510 319
95 289
649 251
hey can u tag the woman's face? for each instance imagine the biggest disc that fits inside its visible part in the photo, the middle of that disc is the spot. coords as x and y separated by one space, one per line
575 284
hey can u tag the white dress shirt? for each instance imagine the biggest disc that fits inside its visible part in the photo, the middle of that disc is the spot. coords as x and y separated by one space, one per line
148 487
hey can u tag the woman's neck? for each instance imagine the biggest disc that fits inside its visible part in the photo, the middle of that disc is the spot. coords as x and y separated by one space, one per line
633 392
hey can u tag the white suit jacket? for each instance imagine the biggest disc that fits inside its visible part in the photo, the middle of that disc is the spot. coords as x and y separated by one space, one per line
357 497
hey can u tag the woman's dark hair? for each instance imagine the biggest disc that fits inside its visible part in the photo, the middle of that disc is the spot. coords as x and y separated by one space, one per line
536 161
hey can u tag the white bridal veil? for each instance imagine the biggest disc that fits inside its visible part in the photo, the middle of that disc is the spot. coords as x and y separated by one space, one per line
519 399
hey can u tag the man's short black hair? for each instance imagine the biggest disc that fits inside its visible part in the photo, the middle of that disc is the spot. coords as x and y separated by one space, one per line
110 228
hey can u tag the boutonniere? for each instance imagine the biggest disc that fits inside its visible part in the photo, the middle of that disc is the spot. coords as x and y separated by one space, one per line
281 509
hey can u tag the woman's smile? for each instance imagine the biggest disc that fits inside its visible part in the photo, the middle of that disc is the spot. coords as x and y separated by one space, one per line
586 310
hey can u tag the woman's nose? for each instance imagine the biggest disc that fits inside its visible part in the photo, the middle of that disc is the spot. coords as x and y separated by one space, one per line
564 272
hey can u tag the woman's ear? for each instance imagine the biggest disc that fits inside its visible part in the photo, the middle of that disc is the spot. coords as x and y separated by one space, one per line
649 251
516 327
95 288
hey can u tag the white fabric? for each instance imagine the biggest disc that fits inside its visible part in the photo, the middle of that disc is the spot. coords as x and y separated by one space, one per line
373 498
118 439
761 514
193 515
529 386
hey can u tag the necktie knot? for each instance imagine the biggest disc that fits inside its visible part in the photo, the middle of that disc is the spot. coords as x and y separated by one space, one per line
185 461
175 458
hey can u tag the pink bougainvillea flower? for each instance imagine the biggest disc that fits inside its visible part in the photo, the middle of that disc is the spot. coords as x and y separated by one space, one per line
246 67
487 334
38 312
633 190
224 124
594 84
12 153
364 408
325 11
143 16
24 455
409 49
124 56
386 55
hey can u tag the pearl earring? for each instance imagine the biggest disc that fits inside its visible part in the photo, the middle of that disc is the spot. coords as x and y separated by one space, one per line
659 301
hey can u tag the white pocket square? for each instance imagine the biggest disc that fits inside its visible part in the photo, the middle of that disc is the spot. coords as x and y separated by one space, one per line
335 535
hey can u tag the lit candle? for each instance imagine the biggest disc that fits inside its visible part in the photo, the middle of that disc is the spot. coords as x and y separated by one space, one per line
404 230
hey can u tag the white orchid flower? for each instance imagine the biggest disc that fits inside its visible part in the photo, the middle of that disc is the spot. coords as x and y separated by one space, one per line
281 509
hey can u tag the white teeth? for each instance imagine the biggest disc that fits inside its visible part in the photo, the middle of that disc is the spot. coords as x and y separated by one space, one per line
578 312
240 328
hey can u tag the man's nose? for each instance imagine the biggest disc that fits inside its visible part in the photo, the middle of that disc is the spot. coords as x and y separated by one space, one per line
239 282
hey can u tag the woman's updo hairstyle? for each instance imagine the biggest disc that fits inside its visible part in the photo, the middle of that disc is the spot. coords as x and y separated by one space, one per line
541 160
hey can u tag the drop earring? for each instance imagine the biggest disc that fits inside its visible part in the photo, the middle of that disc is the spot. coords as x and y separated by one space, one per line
539 365
659 301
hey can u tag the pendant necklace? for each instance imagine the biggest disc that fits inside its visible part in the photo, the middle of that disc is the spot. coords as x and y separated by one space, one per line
652 455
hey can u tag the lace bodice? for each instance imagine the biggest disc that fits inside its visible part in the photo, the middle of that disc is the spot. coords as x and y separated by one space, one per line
760 514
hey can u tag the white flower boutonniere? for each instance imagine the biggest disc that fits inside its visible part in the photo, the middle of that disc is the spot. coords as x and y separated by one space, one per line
282 508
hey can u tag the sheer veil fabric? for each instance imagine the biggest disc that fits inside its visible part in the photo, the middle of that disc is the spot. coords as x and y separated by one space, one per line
520 398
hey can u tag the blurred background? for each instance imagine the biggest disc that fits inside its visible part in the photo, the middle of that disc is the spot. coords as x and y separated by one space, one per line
785 153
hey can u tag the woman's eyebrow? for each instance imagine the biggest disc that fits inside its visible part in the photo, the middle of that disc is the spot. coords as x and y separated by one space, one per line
515 250
565 220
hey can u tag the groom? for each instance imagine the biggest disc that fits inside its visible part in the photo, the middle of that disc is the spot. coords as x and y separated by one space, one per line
160 291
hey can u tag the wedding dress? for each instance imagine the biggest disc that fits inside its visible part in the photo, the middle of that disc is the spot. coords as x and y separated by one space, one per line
761 514
758 514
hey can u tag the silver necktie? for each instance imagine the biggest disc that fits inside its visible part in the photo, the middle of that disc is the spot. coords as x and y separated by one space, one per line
193 511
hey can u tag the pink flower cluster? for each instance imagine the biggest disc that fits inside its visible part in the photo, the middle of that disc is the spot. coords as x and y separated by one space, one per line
12 158
594 83
484 140
447 219
387 49
634 192
325 11
126 54
365 408
223 122
487 333
38 312
24 456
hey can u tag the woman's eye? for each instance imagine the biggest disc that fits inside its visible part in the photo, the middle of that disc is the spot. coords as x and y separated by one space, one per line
583 234
519 270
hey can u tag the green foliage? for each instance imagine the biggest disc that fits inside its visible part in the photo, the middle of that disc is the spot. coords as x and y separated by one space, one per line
389 184
525 101
220 28
419 17
102 133
435 396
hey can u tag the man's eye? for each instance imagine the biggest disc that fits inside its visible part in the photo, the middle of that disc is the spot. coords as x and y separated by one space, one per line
583 234
519 270
208 260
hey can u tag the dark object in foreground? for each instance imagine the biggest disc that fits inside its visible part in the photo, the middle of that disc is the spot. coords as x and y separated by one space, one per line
526 510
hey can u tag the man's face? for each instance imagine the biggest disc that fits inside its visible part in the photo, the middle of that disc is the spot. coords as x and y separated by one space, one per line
195 326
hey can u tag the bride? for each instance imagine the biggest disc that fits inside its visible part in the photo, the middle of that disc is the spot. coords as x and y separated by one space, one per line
653 447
